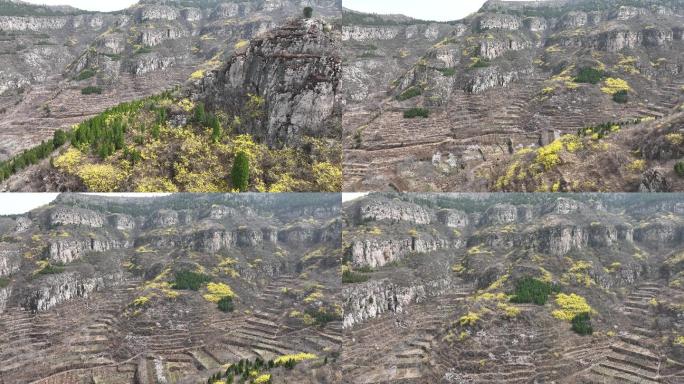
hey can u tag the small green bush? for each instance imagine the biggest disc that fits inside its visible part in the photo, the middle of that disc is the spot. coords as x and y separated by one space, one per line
351 277
323 317
91 90
581 324
51 270
410 94
416 112
448 72
4 282
530 290
480 63
85 74
621 97
142 50
190 280
589 76
226 304
679 168
59 138
308 12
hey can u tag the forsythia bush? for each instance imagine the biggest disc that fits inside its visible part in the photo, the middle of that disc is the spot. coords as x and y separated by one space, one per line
101 177
613 86
570 306
217 291
295 358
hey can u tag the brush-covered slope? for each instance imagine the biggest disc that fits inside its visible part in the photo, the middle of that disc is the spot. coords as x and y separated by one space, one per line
275 106
514 77
171 289
488 288
51 54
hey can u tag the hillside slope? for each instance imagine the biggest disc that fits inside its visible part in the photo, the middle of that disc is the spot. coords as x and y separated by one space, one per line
49 55
488 288
170 289
276 102
508 80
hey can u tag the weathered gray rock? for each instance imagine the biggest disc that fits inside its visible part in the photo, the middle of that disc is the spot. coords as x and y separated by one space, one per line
563 206
289 80
22 224
365 33
5 294
393 211
68 249
153 37
56 289
653 181
626 13
573 19
501 214
656 37
10 259
499 21
163 218
122 222
158 12
248 237
453 218
76 216
371 299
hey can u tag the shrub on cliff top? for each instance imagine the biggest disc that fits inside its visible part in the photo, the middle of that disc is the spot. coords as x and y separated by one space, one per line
679 168
308 12
589 75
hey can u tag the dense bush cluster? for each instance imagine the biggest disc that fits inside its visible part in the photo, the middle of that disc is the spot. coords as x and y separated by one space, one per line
323 317
91 90
225 304
621 97
530 290
410 93
239 175
679 168
581 324
190 280
589 75
416 112
351 277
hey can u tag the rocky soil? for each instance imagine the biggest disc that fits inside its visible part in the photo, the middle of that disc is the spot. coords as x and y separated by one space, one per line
87 295
431 297
499 85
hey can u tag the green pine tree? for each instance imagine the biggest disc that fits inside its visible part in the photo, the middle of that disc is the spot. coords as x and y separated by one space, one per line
240 173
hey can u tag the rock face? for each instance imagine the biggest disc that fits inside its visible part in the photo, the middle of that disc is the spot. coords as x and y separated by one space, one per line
164 218
10 259
453 218
68 250
393 211
654 181
501 214
289 80
57 289
499 21
369 300
76 216
122 222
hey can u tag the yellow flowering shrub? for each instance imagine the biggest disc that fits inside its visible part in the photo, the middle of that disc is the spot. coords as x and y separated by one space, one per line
101 177
263 379
614 85
548 156
570 306
70 160
328 177
217 291
469 319
296 358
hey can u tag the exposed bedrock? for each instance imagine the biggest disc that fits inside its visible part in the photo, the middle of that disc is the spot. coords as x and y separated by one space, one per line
371 299
55 289
68 250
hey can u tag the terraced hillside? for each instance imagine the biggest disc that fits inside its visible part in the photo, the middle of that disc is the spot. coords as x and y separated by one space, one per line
267 119
50 55
504 84
173 289
459 288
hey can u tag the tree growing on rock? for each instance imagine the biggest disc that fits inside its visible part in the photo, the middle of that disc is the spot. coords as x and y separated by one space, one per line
308 12
240 173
